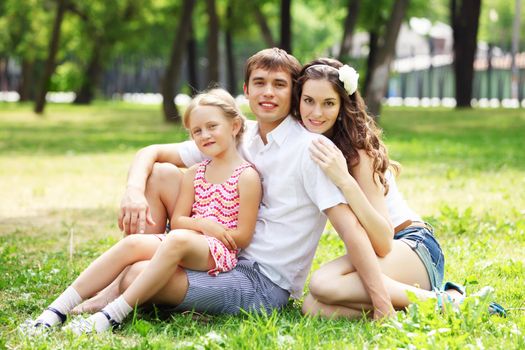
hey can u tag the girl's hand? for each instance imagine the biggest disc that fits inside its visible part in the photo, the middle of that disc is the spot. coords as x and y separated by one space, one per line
331 160
214 229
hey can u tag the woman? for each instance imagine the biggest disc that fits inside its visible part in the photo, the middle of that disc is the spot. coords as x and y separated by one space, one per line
328 103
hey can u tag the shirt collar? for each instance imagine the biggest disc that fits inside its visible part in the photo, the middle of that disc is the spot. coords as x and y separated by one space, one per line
278 135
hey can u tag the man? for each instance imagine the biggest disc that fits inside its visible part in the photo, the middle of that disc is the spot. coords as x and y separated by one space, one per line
296 197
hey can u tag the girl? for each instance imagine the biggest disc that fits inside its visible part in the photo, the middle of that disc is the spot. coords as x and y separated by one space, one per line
214 215
358 163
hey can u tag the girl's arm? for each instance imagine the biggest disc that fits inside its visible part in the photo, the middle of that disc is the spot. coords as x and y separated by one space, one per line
181 218
250 193
364 195
250 196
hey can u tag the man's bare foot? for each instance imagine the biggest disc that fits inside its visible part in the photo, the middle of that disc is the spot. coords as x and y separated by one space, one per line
96 303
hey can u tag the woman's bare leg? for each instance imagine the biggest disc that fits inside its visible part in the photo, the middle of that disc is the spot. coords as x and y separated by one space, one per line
338 285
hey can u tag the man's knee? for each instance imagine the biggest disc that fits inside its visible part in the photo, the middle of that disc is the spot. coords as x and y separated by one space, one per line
163 175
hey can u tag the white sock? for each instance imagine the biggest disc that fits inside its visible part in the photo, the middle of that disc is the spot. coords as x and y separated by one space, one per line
64 304
118 309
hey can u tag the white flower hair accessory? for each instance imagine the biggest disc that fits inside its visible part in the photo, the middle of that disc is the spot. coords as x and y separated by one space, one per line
349 77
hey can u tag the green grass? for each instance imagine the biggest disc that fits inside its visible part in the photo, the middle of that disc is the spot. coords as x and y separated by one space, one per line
61 178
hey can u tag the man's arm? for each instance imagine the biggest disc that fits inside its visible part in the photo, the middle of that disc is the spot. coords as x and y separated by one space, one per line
362 257
134 208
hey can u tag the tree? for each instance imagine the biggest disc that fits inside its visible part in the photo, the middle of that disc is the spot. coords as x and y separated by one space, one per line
191 47
23 39
286 26
263 25
49 67
171 76
382 52
350 22
464 16
213 42
105 25
230 56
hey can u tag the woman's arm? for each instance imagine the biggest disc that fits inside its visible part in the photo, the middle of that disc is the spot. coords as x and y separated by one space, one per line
364 195
362 257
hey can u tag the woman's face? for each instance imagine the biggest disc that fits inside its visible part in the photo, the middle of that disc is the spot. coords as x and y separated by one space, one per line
319 106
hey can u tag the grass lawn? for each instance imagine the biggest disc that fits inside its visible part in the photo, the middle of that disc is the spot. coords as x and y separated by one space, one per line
61 178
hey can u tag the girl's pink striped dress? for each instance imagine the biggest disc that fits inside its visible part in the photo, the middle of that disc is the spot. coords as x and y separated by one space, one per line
220 203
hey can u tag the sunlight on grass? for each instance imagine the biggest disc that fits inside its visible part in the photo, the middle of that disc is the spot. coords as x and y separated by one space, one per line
61 178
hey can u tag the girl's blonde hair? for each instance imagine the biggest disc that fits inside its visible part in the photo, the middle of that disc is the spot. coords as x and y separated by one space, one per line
218 98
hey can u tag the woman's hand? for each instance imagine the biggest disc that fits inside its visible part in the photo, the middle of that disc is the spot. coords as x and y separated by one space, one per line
214 229
134 211
331 160
384 311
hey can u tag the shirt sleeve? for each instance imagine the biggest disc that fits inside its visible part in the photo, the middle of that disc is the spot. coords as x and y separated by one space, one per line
189 153
318 185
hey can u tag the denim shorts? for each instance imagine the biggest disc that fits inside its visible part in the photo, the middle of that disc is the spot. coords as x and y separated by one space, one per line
423 242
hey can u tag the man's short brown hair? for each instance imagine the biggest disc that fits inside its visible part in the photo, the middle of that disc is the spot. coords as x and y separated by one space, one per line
273 59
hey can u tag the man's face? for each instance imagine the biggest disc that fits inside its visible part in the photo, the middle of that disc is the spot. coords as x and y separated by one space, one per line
269 94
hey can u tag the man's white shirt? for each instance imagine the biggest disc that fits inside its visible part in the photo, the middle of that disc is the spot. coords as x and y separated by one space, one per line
295 193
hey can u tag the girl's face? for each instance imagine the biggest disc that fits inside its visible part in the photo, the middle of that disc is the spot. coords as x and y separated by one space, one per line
319 106
212 131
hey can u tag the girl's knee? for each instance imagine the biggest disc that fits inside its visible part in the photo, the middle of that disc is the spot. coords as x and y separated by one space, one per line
177 242
131 243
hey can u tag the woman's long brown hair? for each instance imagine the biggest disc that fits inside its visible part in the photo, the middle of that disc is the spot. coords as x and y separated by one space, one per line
354 128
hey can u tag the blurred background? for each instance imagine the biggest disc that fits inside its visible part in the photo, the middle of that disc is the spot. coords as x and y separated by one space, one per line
456 53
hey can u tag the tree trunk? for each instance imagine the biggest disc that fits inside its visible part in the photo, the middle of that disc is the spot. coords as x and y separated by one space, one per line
373 43
230 56
171 76
263 25
92 75
386 51
465 19
49 67
213 43
286 26
191 46
348 30
24 89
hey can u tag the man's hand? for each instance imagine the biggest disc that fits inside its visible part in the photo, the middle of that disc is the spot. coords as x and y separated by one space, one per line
134 212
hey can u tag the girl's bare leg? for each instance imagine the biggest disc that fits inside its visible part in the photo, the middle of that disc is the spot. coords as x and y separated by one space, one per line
101 272
183 248
179 248
162 189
